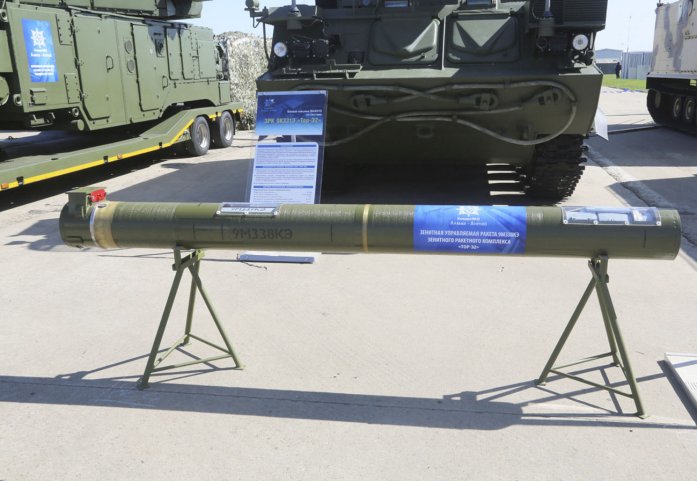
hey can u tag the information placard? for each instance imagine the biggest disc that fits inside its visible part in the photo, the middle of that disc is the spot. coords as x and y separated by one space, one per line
476 229
288 159
284 173
41 56
291 113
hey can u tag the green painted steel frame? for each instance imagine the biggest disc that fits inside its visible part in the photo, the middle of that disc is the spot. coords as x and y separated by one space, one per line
598 283
192 263
618 351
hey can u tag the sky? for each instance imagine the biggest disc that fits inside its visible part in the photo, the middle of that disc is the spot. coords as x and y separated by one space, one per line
630 23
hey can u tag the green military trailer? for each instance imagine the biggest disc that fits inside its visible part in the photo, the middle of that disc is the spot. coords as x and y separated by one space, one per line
123 71
470 82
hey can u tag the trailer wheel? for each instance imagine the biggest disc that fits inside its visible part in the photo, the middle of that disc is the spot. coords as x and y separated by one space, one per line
654 105
677 107
200 140
689 110
223 130
656 98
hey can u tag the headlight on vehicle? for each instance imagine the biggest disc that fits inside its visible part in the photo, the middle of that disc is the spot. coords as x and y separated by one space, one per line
580 42
280 49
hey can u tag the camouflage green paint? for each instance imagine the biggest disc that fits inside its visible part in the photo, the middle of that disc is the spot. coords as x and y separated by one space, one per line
141 69
440 82
337 228
90 220
34 168
192 263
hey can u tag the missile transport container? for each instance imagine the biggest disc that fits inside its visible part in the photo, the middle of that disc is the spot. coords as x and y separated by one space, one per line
672 82
122 68
447 81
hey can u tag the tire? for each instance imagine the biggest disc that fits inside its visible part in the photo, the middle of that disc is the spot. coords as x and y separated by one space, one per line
657 99
223 130
676 110
200 140
688 112
654 104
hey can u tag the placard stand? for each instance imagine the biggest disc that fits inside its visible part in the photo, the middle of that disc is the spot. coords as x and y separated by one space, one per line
287 169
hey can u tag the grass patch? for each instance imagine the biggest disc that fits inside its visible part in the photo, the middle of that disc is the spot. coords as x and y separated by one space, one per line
620 83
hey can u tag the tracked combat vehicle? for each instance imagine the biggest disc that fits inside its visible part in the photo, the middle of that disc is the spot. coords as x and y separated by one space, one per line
672 82
123 71
447 81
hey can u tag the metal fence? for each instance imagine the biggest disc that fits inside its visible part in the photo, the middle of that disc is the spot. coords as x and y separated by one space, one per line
636 65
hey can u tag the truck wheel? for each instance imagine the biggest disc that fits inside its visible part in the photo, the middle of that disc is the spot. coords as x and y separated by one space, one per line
200 139
223 130
689 110
677 107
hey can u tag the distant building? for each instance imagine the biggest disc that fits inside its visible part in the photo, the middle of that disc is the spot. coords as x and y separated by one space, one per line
608 55
607 58
635 65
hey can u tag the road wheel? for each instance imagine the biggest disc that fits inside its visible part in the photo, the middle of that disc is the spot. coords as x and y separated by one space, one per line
200 140
656 99
223 130
688 113
677 107
655 105
555 169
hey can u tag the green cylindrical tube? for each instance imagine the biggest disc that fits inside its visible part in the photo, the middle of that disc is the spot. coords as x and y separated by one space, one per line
618 232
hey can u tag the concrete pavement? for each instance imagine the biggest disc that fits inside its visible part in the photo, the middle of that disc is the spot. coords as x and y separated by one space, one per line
357 367
624 108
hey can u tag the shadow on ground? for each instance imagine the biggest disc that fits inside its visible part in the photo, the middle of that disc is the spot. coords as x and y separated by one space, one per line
228 180
663 162
218 181
481 410
44 236
94 176
48 188
655 147
433 184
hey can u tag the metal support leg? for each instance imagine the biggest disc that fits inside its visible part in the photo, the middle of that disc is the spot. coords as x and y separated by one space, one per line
206 300
618 351
191 263
192 301
565 335
624 362
143 382
599 271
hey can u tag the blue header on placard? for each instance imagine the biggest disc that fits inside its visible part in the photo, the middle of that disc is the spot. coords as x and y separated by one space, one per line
475 229
291 113
41 57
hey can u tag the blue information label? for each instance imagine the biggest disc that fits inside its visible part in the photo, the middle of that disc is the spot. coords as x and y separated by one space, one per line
474 229
291 113
41 57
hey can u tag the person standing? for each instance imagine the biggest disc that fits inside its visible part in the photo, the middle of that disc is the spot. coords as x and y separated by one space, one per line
618 69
